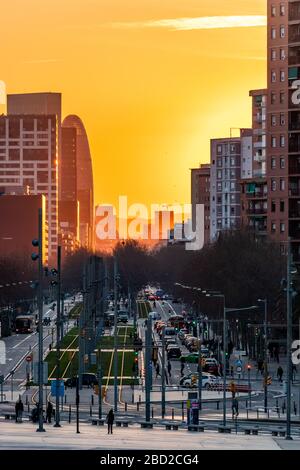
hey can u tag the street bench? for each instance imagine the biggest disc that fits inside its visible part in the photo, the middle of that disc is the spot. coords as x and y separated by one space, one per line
170 425
224 429
278 432
146 425
98 421
123 423
196 427
251 430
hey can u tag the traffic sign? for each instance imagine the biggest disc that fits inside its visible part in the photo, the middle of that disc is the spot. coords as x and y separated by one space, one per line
239 369
60 390
29 358
239 363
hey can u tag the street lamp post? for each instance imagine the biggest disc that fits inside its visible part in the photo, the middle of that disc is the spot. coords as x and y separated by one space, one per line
116 334
199 367
289 343
265 302
163 376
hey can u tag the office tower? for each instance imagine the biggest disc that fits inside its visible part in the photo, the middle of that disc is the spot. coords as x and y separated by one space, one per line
231 161
85 185
200 194
29 161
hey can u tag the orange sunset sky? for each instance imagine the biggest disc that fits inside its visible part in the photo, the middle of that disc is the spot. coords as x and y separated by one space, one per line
150 93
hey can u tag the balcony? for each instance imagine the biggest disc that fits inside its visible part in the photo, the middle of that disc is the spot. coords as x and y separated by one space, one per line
257 195
294 33
259 158
258 211
294 169
294 192
294 11
294 214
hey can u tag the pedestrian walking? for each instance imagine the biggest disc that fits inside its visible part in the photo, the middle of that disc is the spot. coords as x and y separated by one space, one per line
280 373
19 408
157 368
49 412
182 369
169 368
231 371
110 421
235 408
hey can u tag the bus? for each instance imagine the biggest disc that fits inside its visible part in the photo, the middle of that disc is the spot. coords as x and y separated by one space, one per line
177 321
24 324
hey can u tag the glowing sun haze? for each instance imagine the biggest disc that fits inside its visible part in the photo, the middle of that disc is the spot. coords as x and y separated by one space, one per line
152 80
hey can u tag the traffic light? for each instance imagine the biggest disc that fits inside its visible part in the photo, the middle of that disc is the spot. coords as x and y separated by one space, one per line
249 367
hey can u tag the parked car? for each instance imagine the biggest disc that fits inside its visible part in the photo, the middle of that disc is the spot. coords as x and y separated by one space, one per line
191 380
88 379
173 352
186 338
171 342
211 366
169 332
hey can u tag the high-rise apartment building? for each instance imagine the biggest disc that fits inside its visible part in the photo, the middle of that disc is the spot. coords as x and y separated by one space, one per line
231 161
29 159
200 194
254 190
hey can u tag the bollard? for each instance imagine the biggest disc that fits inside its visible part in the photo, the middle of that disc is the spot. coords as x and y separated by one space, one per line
218 405
26 403
268 413
172 413
137 406
91 412
247 413
140 398
92 398
257 412
126 406
69 413
182 411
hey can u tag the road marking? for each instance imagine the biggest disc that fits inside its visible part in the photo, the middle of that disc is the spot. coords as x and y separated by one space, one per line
23 341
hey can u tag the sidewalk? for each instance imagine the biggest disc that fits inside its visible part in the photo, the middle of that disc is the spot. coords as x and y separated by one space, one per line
24 436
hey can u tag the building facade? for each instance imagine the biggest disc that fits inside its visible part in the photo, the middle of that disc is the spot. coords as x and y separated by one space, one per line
231 161
85 184
200 194
29 161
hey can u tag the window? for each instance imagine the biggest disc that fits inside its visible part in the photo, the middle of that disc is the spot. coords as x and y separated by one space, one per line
282 9
273 33
273 185
232 186
232 161
282 75
219 162
273 10
282 141
273 142
282 97
219 149
219 186
282 119
273 120
273 97
281 206
273 226
282 227
273 206
282 54
273 54
282 184
219 174
273 163
282 31
273 76
232 148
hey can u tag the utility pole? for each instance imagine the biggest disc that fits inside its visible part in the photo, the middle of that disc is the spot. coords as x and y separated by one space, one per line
58 337
289 343
163 377
199 366
40 323
116 334
266 356
99 384
148 368
224 361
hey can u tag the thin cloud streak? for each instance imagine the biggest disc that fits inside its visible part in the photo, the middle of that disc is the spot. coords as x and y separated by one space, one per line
40 61
200 23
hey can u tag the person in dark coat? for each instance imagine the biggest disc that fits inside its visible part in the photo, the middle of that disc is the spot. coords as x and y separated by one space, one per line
110 421
280 373
49 412
169 369
19 408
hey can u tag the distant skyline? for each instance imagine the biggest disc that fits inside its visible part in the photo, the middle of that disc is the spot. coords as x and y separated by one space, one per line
152 81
